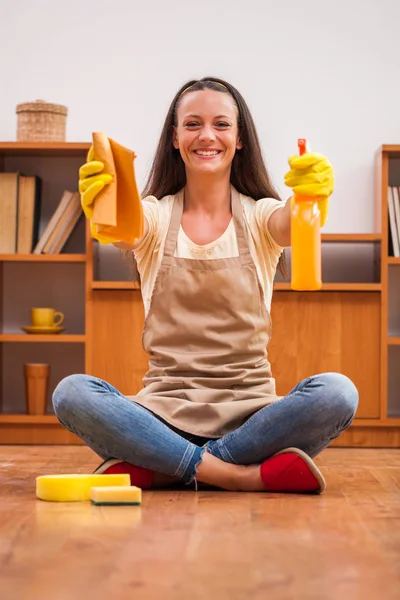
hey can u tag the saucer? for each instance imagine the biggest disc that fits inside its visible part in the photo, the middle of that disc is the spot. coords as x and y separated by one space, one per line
38 329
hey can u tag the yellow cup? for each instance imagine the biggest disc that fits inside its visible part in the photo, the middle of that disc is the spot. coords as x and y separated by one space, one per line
46 317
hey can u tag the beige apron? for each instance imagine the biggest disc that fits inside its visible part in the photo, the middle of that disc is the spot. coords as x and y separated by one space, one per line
207 333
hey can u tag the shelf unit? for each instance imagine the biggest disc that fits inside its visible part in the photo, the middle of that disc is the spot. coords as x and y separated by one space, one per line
41 280
388 173
342 327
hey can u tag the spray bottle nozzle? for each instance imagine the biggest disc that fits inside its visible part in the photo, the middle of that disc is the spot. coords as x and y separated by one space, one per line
302 144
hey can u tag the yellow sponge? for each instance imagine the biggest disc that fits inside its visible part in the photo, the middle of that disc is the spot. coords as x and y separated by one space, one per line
75 488
116 495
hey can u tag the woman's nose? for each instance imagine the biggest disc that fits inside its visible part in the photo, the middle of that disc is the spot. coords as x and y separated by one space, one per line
207 133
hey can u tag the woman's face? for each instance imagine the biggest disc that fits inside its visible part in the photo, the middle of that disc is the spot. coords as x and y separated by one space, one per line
207 131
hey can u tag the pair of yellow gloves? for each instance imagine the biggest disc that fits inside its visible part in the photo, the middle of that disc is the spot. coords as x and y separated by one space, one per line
310 175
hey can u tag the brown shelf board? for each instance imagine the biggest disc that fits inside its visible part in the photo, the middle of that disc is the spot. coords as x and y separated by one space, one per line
394 340
44 148
43 258
391 149
393 260
351 237
34 429
337 287
28 419
115 285
388 422
31 337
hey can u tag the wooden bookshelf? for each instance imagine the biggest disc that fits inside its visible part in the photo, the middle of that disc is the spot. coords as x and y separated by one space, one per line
41 280
343 327
388 173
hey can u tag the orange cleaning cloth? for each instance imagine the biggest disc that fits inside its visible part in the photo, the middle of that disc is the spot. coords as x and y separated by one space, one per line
117 209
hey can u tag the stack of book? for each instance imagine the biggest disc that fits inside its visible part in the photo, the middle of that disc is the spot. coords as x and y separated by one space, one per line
61 224
394 220
20 203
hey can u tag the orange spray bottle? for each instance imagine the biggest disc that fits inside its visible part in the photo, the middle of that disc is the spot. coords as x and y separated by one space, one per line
305 239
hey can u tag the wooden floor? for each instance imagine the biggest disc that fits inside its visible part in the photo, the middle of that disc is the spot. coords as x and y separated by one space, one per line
185 545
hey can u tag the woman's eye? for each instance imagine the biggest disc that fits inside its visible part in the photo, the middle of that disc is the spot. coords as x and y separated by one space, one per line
192 124
222 124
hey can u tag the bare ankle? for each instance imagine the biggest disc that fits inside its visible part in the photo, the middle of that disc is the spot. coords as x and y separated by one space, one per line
216 472
250 479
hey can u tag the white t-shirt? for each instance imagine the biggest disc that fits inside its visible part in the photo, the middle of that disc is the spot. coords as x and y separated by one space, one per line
264 250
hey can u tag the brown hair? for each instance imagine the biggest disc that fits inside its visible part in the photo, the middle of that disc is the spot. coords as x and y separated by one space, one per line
249 175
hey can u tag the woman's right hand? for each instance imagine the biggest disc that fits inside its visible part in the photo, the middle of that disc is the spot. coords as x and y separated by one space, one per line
91 182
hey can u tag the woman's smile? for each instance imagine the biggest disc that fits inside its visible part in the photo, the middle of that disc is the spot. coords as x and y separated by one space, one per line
207 154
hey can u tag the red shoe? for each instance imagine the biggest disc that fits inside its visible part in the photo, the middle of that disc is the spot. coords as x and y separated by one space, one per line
292 470
141 477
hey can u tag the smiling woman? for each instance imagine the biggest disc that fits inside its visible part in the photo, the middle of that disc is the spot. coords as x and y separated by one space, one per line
215 231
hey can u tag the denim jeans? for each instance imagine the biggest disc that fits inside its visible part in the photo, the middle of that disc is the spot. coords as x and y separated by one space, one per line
313 414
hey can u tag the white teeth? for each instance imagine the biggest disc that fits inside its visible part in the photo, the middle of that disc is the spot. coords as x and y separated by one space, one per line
207 153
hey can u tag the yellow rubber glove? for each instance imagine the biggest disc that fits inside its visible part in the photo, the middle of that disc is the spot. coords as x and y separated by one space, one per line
312 175
91 182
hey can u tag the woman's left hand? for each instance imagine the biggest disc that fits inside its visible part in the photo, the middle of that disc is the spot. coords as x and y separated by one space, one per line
312 175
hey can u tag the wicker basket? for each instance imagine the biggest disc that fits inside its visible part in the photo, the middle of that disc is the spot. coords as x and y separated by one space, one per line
41 121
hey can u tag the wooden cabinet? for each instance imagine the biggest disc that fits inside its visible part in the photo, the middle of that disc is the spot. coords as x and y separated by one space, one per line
351 326
316 332
116 348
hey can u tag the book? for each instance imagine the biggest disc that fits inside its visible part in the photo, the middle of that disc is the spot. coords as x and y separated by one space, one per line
56 216
396 202
71 226
9 183
64 238
28 213
392 222
54 236
64 226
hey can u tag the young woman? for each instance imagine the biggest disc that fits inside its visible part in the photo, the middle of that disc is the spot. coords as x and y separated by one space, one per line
214 235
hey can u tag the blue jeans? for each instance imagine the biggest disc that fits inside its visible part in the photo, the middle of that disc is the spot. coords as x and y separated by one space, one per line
313 414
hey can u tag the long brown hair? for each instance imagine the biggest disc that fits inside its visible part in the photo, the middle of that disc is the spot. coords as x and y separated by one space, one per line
249 174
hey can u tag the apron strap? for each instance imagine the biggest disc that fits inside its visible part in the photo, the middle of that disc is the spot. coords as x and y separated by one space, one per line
174 224
241 233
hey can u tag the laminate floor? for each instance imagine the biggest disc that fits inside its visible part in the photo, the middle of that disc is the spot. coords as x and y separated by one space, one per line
182 544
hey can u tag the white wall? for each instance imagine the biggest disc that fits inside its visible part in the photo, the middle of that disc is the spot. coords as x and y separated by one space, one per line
328 71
